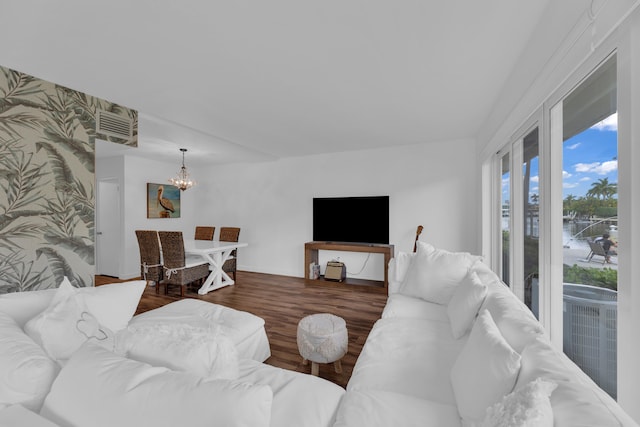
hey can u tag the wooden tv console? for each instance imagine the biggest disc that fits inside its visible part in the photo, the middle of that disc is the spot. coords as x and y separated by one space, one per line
311 255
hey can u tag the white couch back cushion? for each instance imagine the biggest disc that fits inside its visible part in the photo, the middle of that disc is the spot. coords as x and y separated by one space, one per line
101 389
434 273
26 373
577 401
23 306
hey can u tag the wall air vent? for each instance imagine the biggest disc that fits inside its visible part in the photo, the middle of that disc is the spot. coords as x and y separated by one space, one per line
114 125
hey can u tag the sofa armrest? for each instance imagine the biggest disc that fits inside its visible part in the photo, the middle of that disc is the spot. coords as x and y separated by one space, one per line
398 267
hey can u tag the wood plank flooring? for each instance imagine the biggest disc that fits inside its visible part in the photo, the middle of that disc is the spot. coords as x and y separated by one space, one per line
282 301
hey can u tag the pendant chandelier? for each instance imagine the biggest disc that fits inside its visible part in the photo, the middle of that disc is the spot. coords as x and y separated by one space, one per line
182 180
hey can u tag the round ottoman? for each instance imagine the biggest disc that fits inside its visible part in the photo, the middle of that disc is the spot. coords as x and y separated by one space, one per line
322 338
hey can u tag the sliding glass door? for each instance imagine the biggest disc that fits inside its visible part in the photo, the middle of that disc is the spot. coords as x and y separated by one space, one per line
559 198
519 212
505 211
587 118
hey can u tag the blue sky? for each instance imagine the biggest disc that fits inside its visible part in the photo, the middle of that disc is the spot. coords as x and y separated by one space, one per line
590 156
587 157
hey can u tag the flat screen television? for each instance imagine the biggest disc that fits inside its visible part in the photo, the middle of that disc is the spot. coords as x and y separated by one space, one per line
351 219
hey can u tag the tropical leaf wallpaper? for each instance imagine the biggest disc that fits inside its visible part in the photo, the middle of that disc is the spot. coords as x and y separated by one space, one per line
47 182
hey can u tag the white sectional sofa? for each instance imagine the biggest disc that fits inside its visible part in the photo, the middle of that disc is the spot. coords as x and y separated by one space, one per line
455 347
77 357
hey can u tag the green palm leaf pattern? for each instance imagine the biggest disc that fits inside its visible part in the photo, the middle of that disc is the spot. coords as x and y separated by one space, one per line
19 90
22 180
21 276
47 182
60 267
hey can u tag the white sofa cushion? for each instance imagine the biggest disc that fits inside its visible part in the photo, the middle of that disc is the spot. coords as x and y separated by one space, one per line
528 406
19 416
26 372
23 306
376 408
577 400
514 320
408 356
299 400
464 304
399 305
101 389
398 268
434 273
485 370
66 324
205 351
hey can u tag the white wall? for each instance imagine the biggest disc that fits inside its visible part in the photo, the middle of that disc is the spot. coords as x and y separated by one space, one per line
432 184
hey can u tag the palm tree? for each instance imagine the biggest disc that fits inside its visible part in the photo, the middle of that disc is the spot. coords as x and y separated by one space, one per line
603 189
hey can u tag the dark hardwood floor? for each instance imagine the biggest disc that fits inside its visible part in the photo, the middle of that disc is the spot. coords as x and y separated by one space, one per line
282 301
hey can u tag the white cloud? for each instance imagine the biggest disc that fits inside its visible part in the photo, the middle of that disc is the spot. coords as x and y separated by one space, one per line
608 124
607 167
535 178
535 190
585 167
573 146
585 178
565 175
603 168
569 184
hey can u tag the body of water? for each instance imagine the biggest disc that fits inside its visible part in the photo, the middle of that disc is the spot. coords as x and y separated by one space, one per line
575 233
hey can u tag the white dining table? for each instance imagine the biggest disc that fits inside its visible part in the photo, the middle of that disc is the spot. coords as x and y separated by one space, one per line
215 253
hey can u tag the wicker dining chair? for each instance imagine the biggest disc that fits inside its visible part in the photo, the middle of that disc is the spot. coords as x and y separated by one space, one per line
150 263
179 270
204 232
230 234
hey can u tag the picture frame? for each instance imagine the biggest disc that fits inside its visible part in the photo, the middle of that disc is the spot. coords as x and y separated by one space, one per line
163 201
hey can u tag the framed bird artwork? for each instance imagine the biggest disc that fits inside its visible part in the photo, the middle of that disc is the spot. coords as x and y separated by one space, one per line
163 201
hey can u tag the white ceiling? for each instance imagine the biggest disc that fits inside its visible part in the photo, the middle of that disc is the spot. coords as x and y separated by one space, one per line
248 80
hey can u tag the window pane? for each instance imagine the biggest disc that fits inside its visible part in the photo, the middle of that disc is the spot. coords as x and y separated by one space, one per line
590 175
506 176
530 190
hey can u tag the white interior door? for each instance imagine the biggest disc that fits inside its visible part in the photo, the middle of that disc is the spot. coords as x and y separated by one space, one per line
108 230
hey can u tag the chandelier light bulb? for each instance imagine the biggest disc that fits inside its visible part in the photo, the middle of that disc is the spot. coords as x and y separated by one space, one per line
182 180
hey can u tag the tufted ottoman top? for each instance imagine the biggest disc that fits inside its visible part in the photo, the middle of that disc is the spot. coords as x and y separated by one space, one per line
322 337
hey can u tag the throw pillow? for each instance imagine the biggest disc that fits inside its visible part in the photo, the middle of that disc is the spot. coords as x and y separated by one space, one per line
434 273
526 407
26 372
66 324
101 389
114 304
485 370
514 319
465 303
207 352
